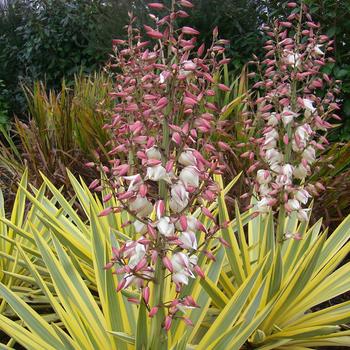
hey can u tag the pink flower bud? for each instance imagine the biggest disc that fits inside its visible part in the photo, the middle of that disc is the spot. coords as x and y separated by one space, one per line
143 190
107 197
183 222
199 271
160 208
152 231
167 263
190 301
94 184
209 255
141 265
125 195
223 242
224 146
188 321
155 5
133 300
162 103
105 212
122 170
186 3
146 294
189 30
207 213
189 101
153 162
108 266
200 50
169 166
154 34
224 87
176 138
168 319
154 256
121 285
153 311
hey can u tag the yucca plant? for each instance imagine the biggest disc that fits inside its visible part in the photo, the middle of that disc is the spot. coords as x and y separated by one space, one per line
60 264
256 294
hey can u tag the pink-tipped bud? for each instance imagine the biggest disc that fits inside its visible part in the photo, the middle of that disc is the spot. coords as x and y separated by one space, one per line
122 170
141 265
190 301
153 162
146 294
199 271
183 222
167 322
152 231
90 164
176 138
188 321
94 184
167 263
153 311
133 300
200 227
223 87
154 34
107 197
143 190
160 208
186 3
207 213
105 212
125 195
190 31
155 5
224 242
108 266
162 103
169 166
285 139
209 255
154 257
121 285
224 146
200 50
189 101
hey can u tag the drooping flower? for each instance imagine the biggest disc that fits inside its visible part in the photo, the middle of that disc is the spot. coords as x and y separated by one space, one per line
141 206
179 197
188 239
190 176
187 158
157 173
166 227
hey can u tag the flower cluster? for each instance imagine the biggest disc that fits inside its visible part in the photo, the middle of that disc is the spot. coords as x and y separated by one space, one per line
163 159
296 100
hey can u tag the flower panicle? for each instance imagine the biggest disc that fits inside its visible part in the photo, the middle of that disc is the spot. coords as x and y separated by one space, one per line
297 100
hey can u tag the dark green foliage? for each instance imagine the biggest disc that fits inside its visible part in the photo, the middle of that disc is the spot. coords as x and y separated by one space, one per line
51 39
334 17
237 20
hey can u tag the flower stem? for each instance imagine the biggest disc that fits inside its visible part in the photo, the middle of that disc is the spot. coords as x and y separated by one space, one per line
280 225
158 335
